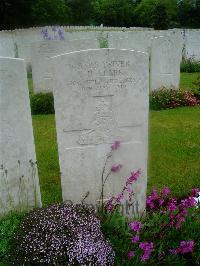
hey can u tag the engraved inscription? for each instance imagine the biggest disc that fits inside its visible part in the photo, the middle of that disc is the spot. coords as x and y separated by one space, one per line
108 78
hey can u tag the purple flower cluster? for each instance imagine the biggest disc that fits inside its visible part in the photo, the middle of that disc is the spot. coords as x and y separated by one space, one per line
175 209
156 200
147 250
146 247
135 226
62 233
184 247
58 33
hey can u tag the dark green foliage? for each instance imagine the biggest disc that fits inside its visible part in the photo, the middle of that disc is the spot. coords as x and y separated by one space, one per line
8 226
46 12
160 17
114 12
15 13
80 11
42 103
148 13
188 13
160 14
190 65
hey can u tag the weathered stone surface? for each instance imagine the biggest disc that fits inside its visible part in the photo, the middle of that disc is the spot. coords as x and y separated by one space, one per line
166 54
19 188
135 40
192 44
43 51
101 96
7 46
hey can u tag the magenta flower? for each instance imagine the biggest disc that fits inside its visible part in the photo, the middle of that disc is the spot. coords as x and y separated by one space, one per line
147 249
109 205
184 247
135 239
116 167
188 202
161 201
116 144
195 192
165 191
129 189
119 197
135 226
130 254
133 178
172 205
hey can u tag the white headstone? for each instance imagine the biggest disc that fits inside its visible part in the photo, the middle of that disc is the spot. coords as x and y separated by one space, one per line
192 44
19 187
166 54
134 40
100 96
43 51
23 39
7 46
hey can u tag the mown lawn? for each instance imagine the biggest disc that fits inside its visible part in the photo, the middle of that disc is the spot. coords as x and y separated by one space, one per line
174 151
187 80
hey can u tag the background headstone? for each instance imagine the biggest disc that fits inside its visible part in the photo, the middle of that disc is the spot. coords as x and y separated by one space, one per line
19 186
192 44
101 96
134 40
7 46
43 51
166 55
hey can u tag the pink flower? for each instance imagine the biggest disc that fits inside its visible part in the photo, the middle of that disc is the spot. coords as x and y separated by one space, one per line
161 201
134 177
147 248
130 254
188 202
172 205
135 226
195 192
119 197
116 167
109 205
165 191
129 189
184 247
135 239
116 144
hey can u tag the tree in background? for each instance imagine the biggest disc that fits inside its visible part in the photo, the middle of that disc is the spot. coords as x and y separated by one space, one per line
160 14
189 13
160 17
81 11
15 13
114 12
149 13
49 12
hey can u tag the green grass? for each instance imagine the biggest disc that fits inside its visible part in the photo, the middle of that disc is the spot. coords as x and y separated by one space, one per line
174 152
8 225
174 149
47 157
187 80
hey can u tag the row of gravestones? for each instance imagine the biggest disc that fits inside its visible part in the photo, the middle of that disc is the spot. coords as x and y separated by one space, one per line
100 96
165 57
18 43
